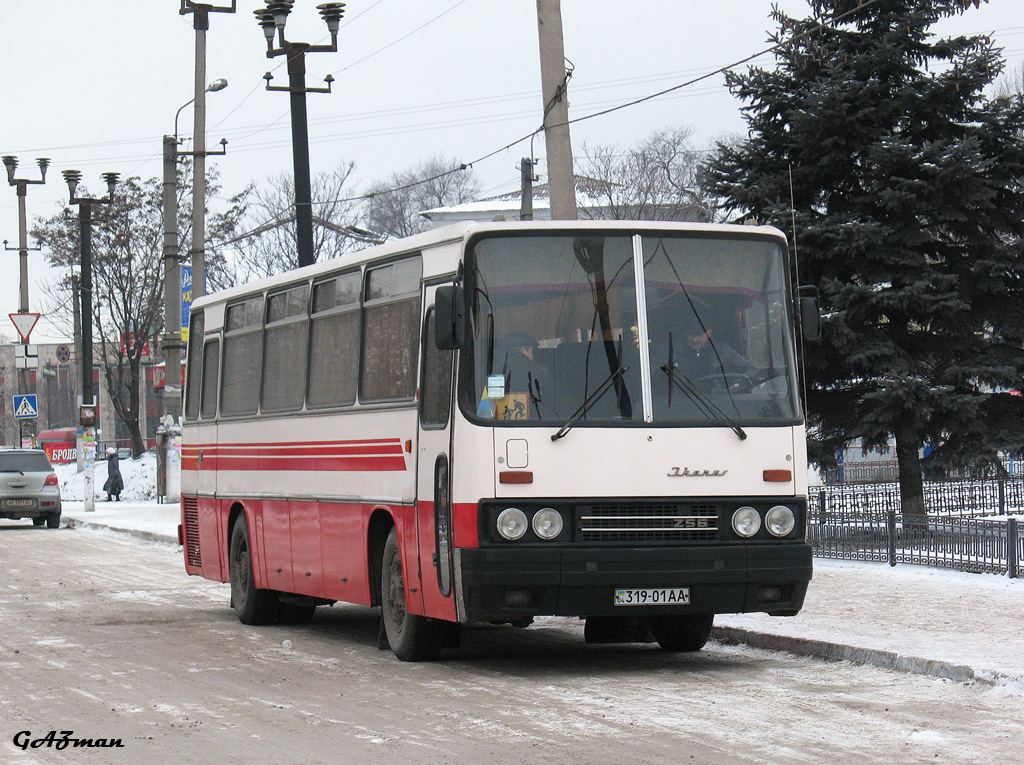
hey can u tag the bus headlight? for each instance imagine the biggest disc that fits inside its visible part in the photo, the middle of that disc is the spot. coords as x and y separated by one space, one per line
780 521
512 523
547 523
746 521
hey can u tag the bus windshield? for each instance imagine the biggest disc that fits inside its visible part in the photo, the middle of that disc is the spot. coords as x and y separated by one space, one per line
555 330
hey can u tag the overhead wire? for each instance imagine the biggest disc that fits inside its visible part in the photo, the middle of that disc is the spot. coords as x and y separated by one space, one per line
706 75
720 70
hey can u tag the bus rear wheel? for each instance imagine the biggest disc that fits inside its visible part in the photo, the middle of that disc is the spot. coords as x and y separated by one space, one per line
253 606
411 637
682 633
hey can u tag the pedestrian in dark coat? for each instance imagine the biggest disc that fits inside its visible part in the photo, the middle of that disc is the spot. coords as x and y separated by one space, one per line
114 483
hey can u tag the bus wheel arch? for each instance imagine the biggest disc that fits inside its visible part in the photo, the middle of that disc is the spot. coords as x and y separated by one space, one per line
380 525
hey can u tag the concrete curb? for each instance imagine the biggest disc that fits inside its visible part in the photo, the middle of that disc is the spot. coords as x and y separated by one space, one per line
875 657
149 536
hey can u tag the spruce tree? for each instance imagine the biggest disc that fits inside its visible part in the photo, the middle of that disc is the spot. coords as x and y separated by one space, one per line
909 215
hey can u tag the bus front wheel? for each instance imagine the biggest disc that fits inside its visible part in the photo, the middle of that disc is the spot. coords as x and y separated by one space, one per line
411 637
682 633
253 606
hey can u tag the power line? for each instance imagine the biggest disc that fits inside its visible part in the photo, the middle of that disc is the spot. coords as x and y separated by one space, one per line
721 70
403 37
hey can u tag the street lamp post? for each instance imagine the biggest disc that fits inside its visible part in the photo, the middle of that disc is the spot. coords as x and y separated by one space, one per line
272 19
22 184
201 23
88 411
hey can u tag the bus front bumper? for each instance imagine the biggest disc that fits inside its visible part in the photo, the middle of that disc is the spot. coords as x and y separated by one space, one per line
509 583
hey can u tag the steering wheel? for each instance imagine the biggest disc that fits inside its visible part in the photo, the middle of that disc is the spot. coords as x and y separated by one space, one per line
735 382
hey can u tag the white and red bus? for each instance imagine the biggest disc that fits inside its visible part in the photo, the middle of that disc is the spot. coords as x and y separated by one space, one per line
491 422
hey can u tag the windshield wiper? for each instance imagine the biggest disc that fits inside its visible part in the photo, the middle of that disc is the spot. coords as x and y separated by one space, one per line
706 406
591 400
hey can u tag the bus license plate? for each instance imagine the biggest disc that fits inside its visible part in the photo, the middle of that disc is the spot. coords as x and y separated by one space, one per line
669 596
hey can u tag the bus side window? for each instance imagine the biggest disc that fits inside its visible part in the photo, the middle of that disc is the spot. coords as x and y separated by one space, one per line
391 323
334 342
436 387
193 367
211 368
284 351
243 341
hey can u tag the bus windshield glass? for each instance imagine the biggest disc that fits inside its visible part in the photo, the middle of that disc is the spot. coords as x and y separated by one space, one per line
555 330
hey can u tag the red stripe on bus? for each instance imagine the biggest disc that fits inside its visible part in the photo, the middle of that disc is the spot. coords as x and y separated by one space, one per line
258 463
255 445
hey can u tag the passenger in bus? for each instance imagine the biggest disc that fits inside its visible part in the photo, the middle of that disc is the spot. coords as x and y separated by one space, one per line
518 359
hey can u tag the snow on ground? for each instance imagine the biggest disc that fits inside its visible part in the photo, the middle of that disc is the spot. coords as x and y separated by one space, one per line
940 614
937 614
139 479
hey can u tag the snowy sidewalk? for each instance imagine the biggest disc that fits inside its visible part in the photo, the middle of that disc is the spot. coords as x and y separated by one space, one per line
925 620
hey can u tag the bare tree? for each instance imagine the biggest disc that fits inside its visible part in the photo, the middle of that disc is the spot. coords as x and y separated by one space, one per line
127 271
1010 83
395 204
268 246
128 278
657 179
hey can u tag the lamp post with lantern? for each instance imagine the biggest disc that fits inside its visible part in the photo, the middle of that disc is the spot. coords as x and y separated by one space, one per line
22 184
87 413
272 19
200 23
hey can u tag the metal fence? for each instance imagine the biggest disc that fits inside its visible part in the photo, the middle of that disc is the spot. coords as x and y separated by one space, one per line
865 523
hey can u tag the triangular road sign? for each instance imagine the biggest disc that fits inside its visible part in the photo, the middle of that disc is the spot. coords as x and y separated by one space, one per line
24 323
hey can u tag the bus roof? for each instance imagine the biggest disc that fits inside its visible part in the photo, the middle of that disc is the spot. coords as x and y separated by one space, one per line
463 230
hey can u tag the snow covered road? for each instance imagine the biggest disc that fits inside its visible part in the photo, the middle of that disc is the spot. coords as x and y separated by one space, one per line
107 637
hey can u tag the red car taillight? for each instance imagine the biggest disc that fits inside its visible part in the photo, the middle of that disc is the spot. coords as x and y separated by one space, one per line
51 480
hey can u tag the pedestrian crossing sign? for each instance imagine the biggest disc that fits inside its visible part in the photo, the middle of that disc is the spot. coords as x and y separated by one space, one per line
25 407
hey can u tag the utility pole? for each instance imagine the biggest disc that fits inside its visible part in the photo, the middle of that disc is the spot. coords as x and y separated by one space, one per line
22 184
87 414
555 88
526 179
272 19
172 344
172 341
201 23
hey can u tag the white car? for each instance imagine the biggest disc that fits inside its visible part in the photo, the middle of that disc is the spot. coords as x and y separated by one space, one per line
28 487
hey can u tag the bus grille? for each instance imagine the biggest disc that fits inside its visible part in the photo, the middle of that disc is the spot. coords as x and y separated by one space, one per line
648 523
191 518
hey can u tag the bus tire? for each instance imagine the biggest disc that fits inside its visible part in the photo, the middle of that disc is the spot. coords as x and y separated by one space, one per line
253 606
682 633
411 637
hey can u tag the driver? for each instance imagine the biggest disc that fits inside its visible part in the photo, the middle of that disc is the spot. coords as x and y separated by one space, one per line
698 355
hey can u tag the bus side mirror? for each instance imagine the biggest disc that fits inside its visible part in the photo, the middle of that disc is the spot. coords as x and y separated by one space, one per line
449 318
810 313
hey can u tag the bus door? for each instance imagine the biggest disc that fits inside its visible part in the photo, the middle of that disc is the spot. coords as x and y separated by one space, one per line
433 471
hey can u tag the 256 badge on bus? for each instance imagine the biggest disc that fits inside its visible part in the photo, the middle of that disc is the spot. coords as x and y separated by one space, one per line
665 596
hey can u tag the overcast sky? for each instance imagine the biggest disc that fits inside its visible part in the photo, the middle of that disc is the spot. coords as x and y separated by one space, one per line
94 85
